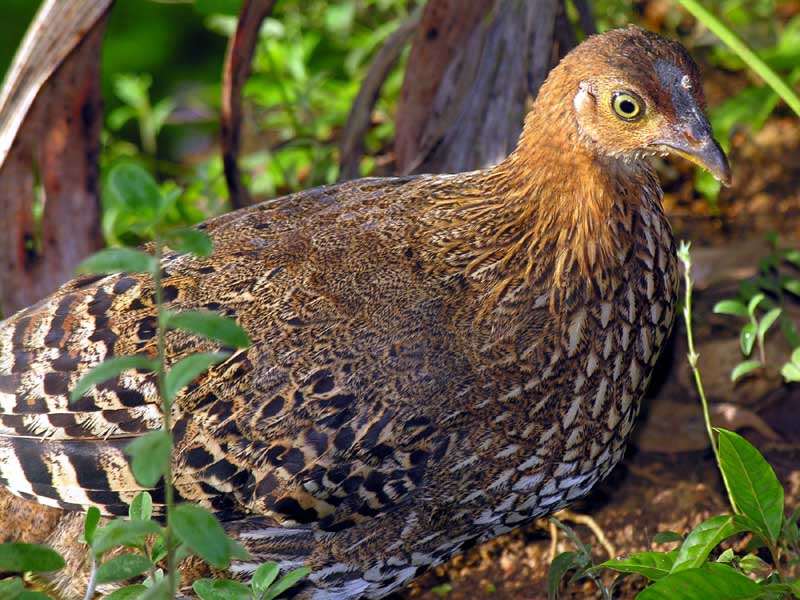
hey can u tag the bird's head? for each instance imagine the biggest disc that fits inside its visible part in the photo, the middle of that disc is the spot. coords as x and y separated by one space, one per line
635 94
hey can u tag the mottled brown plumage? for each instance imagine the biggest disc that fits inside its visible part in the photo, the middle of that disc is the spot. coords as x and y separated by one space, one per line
436 359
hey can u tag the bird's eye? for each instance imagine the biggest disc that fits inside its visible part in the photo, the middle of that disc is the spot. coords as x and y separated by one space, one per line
626 106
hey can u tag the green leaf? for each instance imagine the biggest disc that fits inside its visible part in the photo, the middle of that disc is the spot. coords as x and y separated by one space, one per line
220 589
29 595
202 533
665 537
160 591
752 305
136 189
118 260
210 325
754 487
16 557
767 321
141 509
653 565
286 582
150 453
11 588
791 372
561 565
793 286
747 338
793 256
122 567
264 576
704 538
110 368
796 356
129 592
712 581
731 307
743 368
122 533
90 524
186 370
190 241
727 556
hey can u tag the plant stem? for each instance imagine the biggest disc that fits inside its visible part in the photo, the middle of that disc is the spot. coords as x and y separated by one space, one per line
90 588
692 356
166 409
750 58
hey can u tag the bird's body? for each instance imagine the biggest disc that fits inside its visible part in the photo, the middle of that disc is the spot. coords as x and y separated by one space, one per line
435 361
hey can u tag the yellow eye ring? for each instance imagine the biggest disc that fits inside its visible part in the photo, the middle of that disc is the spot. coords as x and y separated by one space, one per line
626 106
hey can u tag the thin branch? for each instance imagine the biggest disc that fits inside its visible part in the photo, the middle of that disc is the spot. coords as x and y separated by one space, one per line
238 61
351 147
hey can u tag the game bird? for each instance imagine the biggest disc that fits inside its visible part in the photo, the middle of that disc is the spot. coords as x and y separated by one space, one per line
436 359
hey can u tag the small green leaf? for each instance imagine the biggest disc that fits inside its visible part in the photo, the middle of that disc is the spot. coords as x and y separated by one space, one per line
141 509
653 565
190 241
150 453
264 576
743 368
122 567
767 321
796 356
118 260
16 557
202 533
286 582
90 524
122 533
712 581
665 537
238 552
793 286
727 556
220 589
754 487
110 368
791 372
210 325
793 256
747 338
11 588
753 304
136 189
129 592
753 564
160 591
561 565
443 590
704 538
731 307
186 370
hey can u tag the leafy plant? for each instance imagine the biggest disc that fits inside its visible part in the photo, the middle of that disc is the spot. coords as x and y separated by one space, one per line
127 548
697 568
775 285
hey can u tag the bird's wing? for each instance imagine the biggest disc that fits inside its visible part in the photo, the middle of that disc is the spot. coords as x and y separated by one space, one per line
322 420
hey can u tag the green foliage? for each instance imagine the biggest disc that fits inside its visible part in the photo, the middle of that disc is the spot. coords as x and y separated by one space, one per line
264 586
762 302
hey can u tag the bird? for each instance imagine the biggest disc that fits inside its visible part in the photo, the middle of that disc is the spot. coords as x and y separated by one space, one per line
436 359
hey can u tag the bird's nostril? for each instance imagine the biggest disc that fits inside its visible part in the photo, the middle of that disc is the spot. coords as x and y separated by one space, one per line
691 138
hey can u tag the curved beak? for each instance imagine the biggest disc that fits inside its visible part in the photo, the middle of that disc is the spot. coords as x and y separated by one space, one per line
694 140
